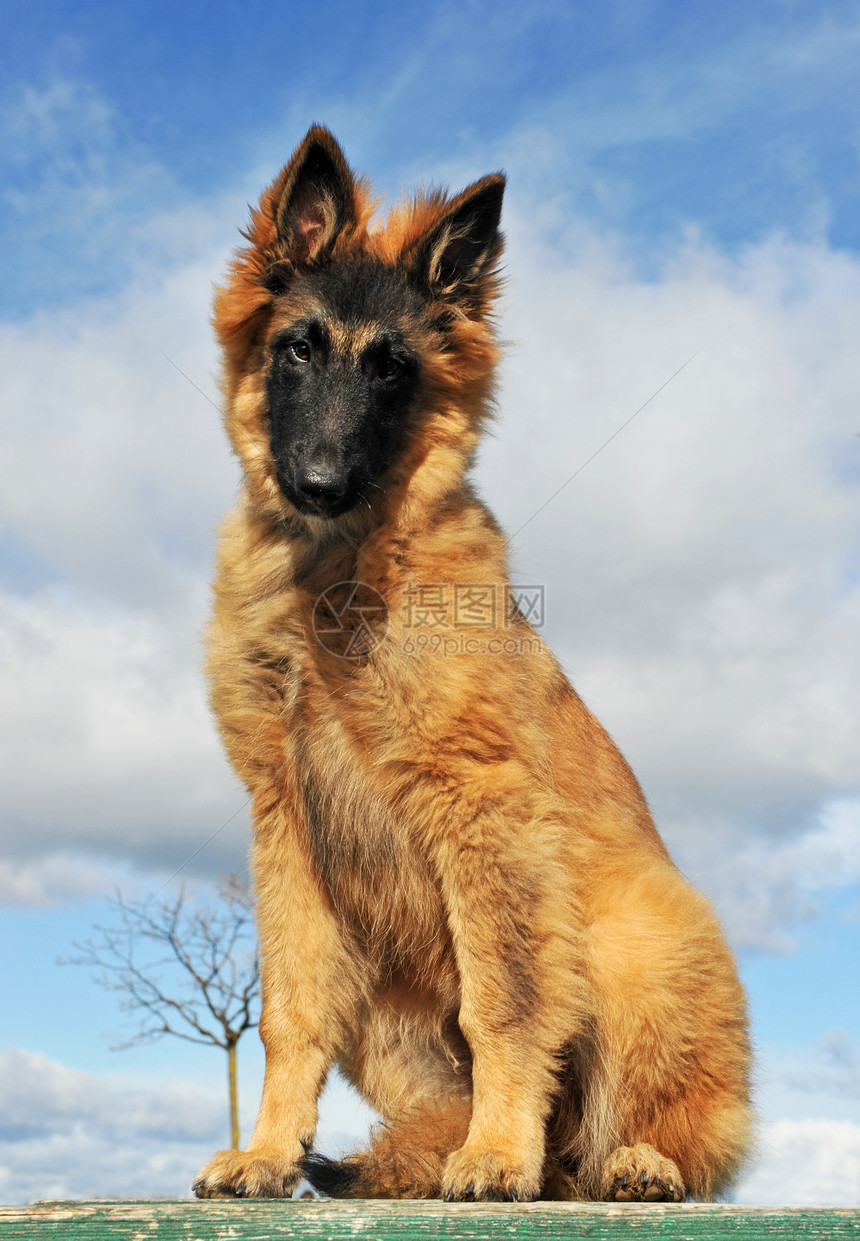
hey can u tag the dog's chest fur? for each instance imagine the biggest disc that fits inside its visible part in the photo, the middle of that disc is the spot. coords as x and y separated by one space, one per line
364 849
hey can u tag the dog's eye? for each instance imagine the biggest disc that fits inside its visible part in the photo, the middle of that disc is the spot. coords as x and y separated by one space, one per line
389 368
300 350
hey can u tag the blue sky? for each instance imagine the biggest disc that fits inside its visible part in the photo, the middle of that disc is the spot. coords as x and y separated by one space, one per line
739 118
684 187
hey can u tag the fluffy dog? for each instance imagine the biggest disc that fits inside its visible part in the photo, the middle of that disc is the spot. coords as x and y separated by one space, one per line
462 899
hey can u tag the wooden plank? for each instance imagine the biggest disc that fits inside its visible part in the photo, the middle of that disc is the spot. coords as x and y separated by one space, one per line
235 1220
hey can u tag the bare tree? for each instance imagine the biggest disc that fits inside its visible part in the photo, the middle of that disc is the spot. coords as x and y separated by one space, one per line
184 969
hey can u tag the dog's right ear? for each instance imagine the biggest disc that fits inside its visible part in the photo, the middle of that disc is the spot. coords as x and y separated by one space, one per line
317 200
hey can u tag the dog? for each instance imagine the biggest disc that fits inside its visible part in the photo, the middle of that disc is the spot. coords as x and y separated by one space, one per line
462 899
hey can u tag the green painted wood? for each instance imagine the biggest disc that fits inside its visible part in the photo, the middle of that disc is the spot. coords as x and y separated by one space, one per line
236 1220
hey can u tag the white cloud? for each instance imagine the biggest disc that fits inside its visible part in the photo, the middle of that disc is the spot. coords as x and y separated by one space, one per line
766 882
830 1066
69 1134
817 1078
66 1133
65 133
107 742
52 880
805 1163
702 571
115 473
115 467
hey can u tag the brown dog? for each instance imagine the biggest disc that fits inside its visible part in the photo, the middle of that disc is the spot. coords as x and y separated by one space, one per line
462 899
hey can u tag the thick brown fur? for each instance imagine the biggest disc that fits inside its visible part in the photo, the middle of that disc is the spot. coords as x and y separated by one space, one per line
462 898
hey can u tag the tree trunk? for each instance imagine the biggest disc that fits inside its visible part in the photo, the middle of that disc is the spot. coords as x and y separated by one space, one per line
234 1097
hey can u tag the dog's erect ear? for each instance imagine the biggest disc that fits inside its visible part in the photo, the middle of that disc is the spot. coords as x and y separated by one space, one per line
463 246
317 200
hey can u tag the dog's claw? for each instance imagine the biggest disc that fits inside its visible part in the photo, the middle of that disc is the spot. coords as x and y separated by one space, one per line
621 1191
449 1197
514 1195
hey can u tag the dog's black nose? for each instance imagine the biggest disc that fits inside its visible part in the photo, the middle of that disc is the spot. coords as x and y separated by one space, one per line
320 485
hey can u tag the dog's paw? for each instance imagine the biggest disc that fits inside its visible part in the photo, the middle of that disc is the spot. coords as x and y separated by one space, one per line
641 1174
488 1177
248 1174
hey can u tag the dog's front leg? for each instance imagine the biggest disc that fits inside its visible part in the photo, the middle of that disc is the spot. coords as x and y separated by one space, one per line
308 999
522 998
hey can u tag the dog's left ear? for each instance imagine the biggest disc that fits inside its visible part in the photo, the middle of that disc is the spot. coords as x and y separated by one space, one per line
317 200
461 249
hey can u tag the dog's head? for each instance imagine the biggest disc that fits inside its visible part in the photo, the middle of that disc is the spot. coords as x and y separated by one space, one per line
352 352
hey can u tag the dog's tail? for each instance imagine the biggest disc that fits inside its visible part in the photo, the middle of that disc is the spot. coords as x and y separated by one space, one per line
406 1159
335 1178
